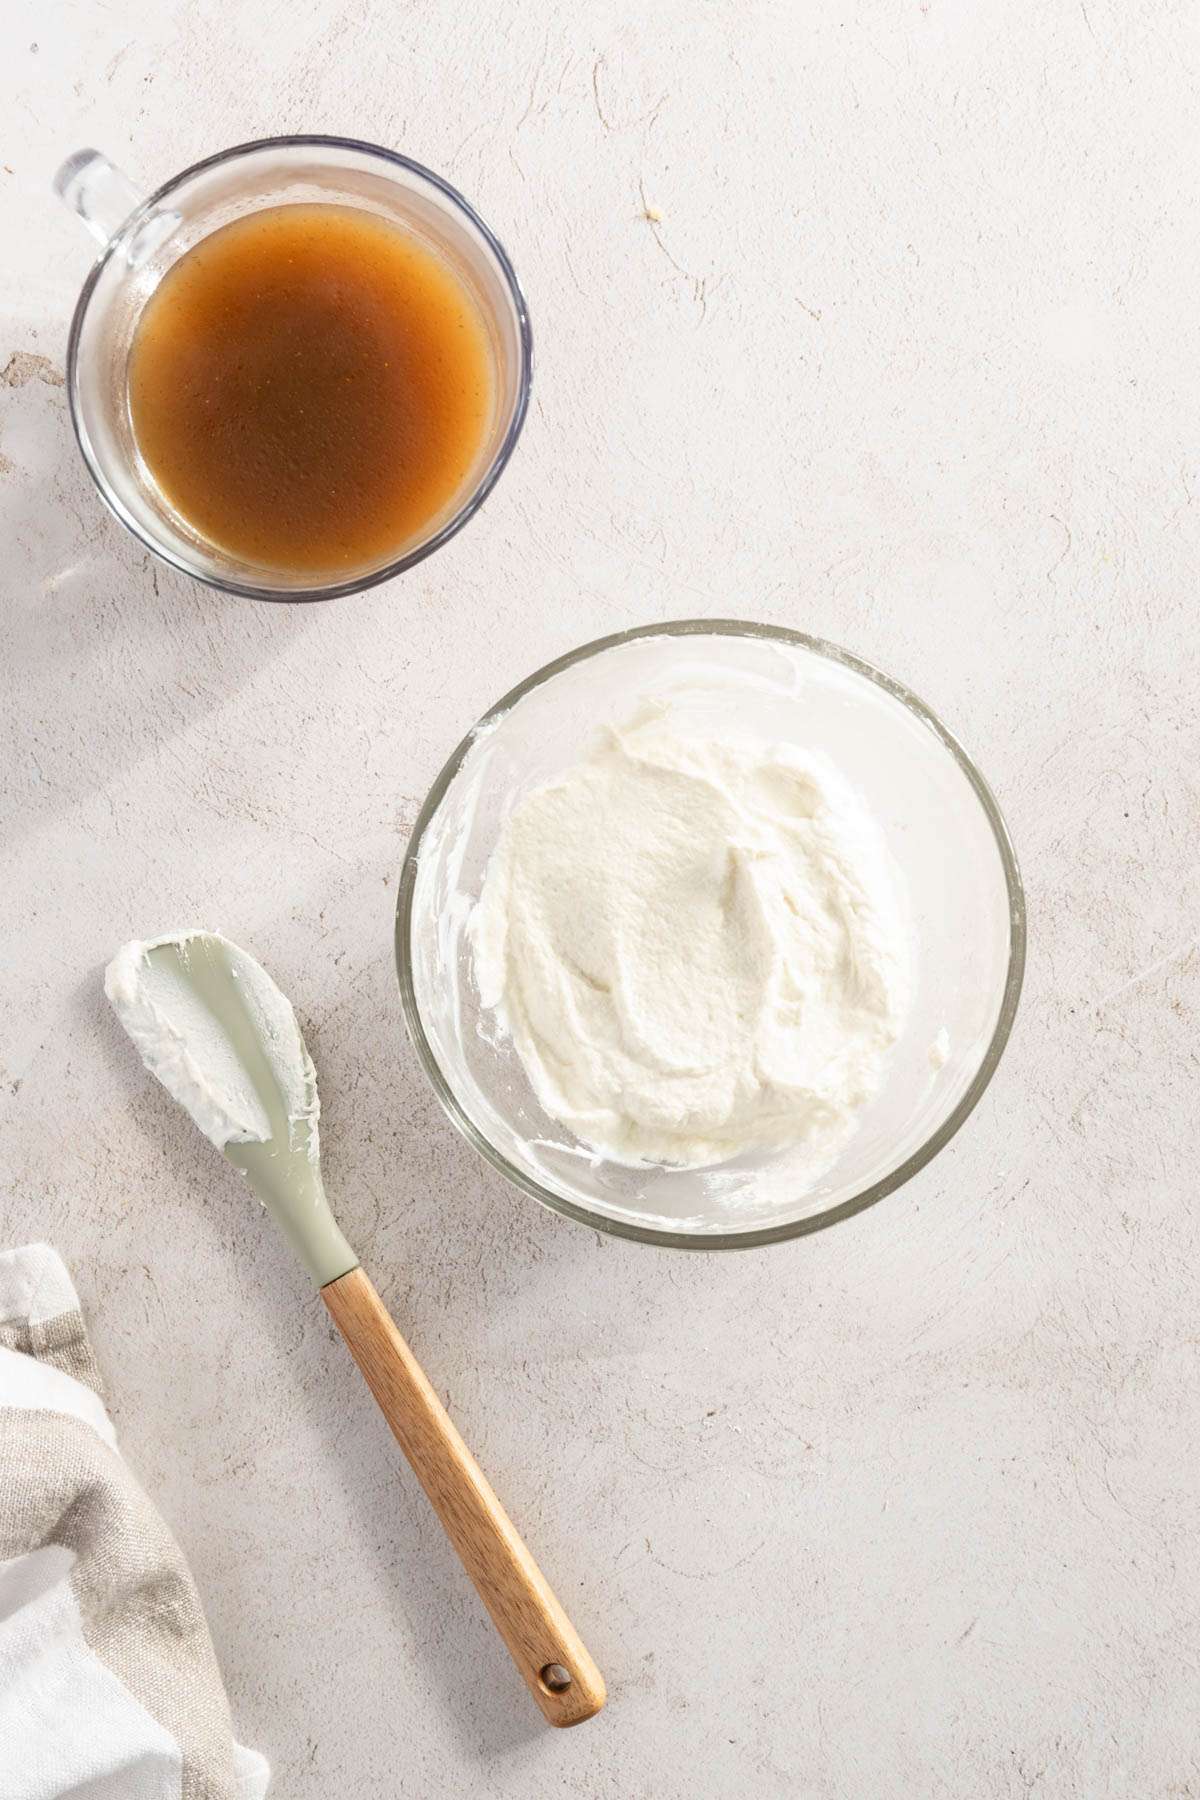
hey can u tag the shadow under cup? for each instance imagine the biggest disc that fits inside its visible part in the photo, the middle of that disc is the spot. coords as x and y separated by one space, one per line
156 233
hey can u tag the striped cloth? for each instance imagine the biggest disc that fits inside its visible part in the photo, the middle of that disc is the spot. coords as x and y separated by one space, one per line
109 1686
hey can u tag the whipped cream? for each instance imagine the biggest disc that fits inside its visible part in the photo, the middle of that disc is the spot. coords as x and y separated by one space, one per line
697 945
229 1050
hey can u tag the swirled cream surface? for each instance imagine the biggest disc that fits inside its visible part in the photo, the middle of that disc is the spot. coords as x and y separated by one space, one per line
697 945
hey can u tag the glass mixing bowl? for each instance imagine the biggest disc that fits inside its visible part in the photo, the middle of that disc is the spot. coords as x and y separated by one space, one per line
964 895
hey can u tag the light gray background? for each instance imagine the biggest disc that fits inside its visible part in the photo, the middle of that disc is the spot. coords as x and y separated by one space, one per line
910 361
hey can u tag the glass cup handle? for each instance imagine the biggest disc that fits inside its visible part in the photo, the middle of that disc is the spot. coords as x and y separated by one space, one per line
105 200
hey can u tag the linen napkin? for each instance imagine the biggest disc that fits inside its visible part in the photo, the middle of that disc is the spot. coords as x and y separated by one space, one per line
109 1685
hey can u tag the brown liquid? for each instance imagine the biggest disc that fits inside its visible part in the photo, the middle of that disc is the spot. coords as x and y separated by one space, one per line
311 387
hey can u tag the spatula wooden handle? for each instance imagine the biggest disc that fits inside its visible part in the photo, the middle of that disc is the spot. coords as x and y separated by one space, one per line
541 1640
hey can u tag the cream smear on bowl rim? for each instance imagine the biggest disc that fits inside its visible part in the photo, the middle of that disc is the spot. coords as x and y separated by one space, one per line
696 944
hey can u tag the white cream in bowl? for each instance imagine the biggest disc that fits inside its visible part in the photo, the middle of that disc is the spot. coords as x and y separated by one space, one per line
697 944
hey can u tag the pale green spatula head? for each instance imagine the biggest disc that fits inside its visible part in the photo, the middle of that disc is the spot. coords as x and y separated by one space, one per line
210 1023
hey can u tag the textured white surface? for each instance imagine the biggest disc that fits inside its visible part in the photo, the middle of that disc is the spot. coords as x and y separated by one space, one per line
909 358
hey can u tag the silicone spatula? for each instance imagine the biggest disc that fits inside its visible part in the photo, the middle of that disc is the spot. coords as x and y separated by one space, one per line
213 1027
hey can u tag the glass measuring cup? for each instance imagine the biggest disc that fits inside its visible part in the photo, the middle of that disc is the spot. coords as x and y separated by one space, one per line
142 238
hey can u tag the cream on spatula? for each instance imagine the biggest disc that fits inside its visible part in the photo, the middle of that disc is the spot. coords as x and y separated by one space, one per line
210 1023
